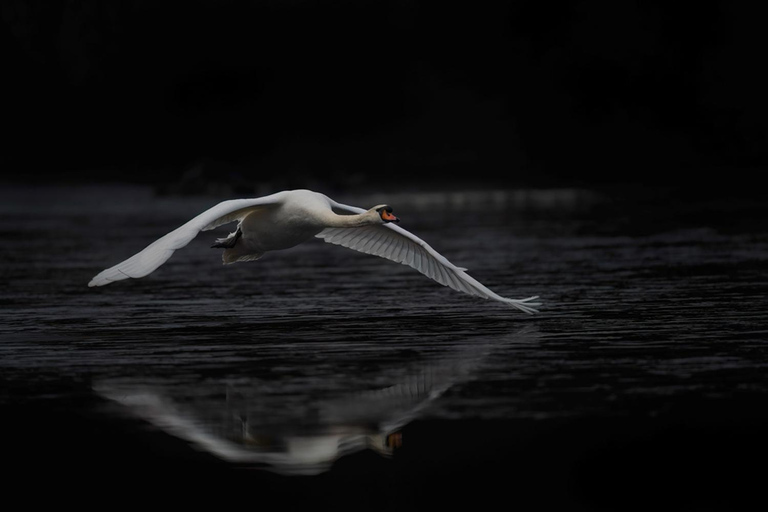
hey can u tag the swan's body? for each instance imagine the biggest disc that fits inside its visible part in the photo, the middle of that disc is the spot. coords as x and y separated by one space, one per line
288 218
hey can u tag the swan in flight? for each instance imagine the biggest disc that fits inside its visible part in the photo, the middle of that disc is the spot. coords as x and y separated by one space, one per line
288 218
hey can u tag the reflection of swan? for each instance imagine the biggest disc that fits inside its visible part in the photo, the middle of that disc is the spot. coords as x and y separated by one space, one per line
298 432
228 431
288 218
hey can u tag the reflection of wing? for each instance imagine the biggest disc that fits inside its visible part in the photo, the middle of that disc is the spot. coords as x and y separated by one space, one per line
289 449
395 243
394 406
158 252
294 428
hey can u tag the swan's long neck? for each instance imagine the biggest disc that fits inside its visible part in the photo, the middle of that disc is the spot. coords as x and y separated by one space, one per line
333 220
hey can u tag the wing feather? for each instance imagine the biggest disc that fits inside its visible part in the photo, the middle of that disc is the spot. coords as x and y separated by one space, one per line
397 244
158 252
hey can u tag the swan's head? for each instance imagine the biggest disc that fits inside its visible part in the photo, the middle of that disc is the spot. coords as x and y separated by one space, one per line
384 212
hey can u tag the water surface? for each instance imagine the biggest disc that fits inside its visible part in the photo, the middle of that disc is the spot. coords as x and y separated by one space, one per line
322 377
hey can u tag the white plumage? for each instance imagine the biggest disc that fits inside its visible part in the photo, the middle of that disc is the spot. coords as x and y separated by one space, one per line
288 218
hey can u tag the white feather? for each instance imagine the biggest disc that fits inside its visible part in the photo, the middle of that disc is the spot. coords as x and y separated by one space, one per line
285 219
396 244
158 252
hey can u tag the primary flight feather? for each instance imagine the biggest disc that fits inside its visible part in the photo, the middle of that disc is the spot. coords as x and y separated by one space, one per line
288 218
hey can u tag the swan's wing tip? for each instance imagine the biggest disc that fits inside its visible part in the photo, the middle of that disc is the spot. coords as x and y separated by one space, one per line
525 309
110 275
98 280
525 305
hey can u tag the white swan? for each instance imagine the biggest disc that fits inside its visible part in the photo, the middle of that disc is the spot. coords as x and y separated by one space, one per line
288 218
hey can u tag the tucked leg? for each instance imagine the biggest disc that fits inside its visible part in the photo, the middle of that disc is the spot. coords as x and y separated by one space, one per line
229 242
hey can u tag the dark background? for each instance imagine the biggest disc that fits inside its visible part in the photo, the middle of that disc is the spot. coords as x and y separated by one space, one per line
386 94
372 95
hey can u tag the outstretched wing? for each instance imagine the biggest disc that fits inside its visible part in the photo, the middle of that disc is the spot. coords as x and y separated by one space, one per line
395 243
158 252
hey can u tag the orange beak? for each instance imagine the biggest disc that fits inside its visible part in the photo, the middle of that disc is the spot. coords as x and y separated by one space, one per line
385 215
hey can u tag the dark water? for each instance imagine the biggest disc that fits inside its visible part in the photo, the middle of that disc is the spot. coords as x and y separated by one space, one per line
322 378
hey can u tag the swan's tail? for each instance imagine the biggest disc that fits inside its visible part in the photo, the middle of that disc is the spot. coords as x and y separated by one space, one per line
235 255
524 304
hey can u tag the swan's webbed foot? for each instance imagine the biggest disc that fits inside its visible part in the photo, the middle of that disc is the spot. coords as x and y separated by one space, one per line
229 242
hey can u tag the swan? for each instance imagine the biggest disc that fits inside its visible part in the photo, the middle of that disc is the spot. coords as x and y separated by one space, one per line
288 218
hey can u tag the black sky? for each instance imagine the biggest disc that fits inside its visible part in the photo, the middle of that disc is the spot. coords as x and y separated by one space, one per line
538 93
